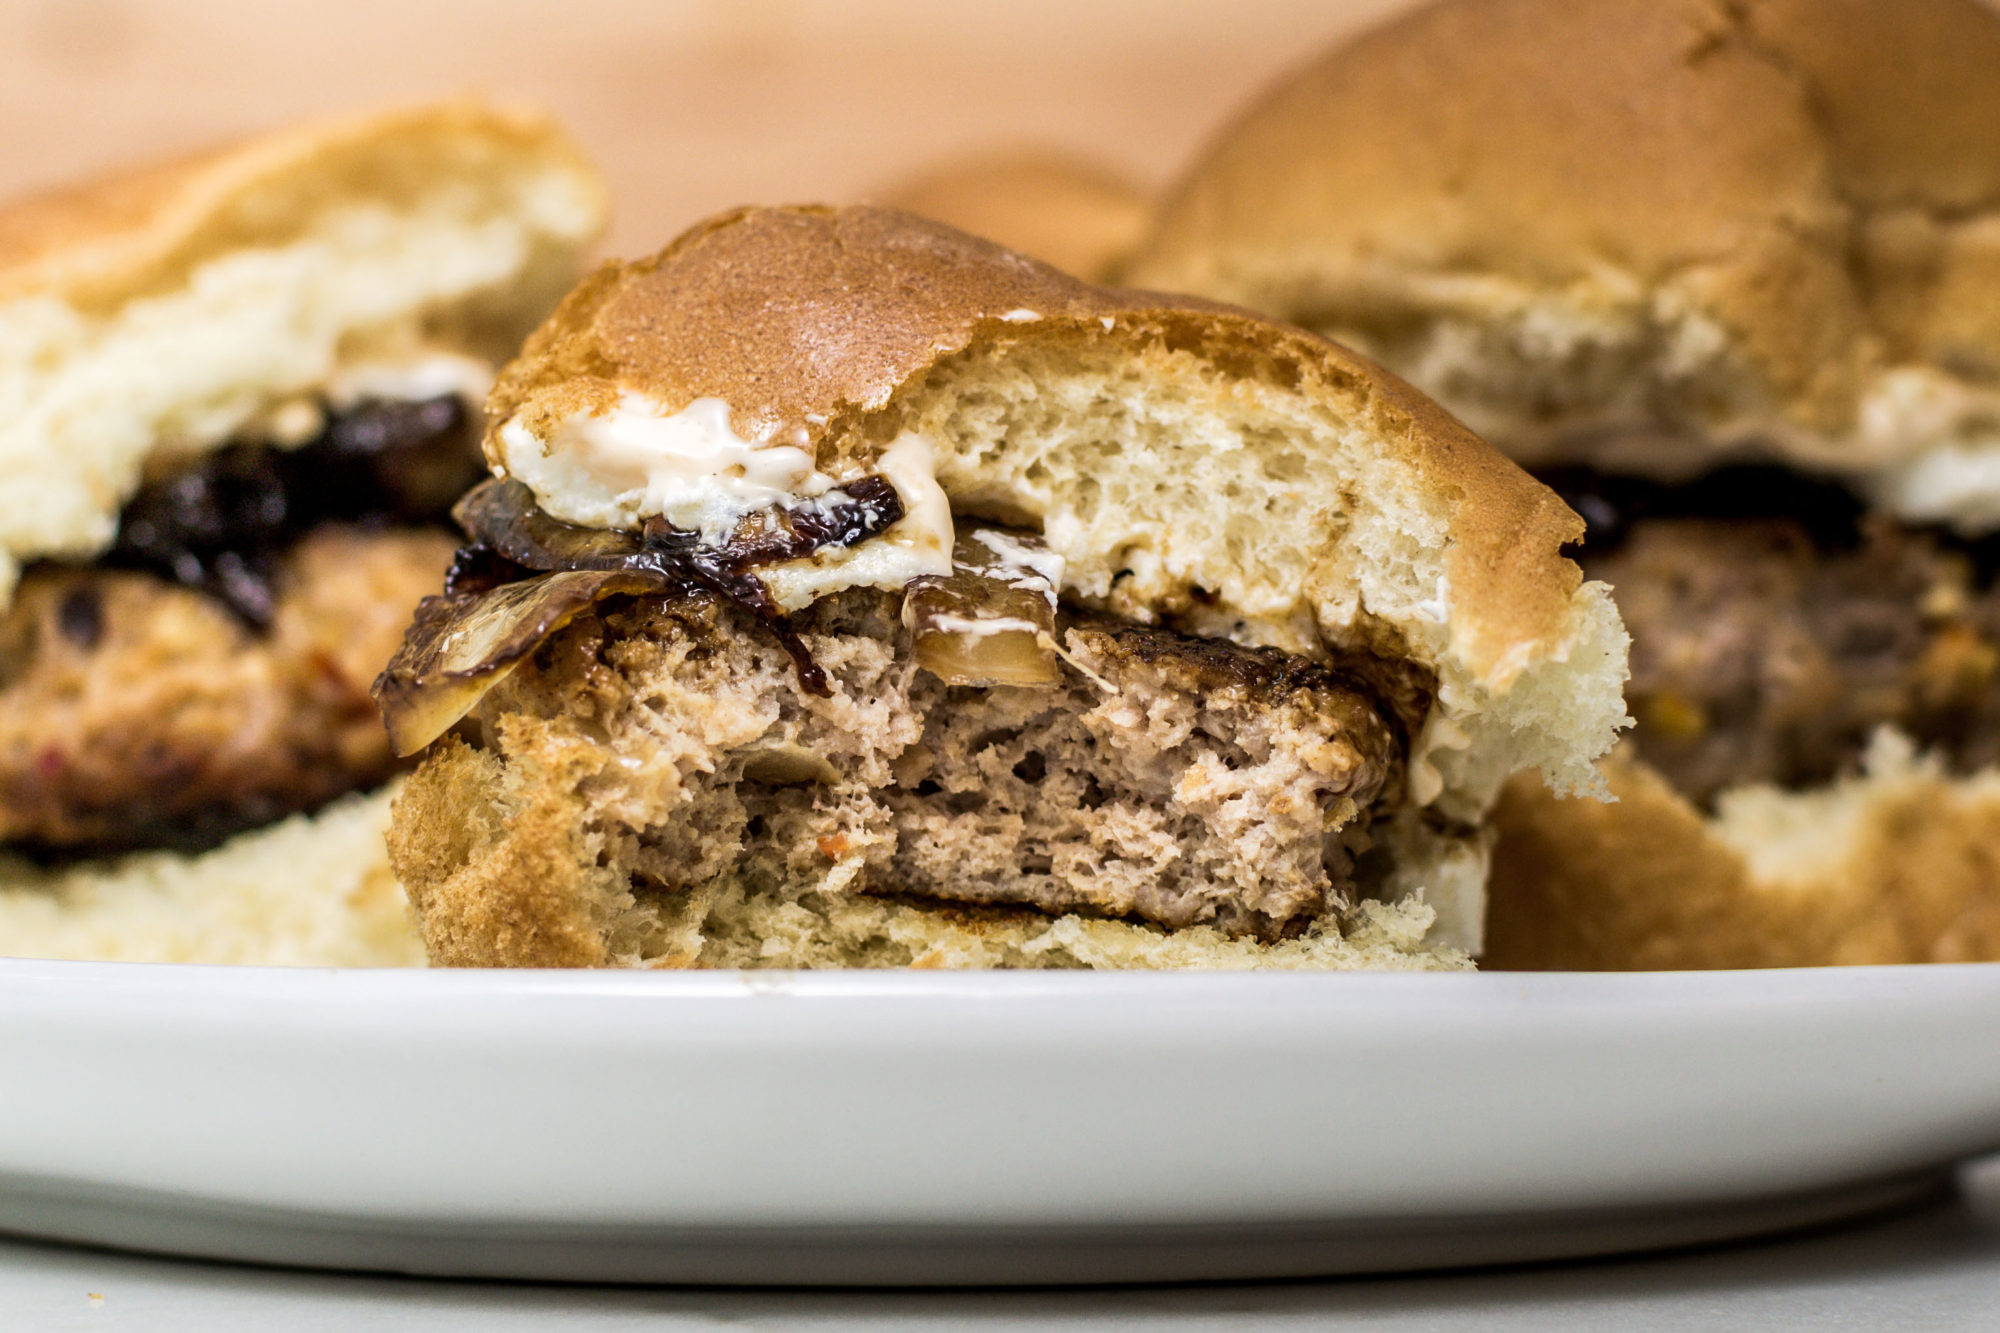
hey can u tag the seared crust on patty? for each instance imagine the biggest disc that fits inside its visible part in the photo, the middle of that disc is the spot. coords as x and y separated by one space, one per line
134 712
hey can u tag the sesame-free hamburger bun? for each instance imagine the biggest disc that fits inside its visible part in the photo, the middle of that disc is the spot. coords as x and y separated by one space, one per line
241 393
1728 278
1769 229
856 592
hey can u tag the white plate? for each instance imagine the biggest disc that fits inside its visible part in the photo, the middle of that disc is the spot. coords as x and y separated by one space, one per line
857 1127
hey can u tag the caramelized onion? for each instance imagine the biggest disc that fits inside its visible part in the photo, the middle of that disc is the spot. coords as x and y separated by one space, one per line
991 622
460 647
526 575
503 516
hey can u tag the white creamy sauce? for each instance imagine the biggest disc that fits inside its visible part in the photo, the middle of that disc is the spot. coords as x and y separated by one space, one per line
1947 434
638 461
1031 568
617 469
1436 609
980 627
1022 316
1958 484
916 545
413 378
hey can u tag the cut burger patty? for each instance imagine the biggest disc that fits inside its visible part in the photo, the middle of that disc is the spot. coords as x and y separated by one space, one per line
1769 649
134 712
1160 778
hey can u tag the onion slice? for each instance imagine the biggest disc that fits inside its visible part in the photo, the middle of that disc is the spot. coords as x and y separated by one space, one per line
993 620
503 515
458 648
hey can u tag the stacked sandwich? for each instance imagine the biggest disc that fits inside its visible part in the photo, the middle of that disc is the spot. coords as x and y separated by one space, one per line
242 394
1728 278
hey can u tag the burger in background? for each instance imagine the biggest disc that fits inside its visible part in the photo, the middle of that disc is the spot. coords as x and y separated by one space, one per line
1728 278
243 393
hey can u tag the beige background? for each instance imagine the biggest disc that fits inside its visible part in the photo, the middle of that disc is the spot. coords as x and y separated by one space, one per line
691 105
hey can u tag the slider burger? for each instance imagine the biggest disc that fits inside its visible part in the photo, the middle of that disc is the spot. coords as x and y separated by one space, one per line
241 396
1069 211
1727 277
853 592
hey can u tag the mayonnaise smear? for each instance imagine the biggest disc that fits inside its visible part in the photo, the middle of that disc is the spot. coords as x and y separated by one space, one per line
619 468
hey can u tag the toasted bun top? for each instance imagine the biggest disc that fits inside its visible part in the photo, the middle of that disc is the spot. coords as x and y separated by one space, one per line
1188 460
1776 220
1068 211
151 314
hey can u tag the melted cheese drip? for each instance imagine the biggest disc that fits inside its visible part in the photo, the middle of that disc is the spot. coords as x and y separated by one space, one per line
1033 568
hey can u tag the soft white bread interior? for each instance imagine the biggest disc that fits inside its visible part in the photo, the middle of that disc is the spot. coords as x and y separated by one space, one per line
312 891
154 314
1069 211
1643 233
1896 864
1192 464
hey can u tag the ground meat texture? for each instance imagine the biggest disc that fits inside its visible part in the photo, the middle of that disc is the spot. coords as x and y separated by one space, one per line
1199 789
1760 654
135 712
1163 779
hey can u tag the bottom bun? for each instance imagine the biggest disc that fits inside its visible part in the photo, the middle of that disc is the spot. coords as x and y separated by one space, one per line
1900 864
312 891
519 882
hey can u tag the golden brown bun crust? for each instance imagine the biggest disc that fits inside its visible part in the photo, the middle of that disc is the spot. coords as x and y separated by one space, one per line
1818 175
1913 876
124 234
498 887
807 320
1064 210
